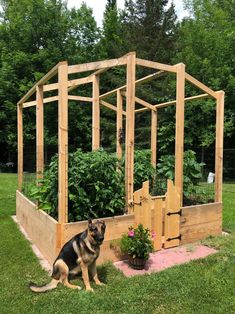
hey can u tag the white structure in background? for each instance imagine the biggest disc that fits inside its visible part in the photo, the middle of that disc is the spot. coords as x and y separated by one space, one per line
210 178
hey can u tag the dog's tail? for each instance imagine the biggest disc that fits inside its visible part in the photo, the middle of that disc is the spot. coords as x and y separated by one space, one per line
52 285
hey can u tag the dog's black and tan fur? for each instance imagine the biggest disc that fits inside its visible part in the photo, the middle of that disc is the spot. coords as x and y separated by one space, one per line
77 255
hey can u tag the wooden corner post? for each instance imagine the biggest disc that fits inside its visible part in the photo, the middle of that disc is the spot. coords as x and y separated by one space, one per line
219 146
63 142
154 137
39 132
119 125
20 145
95 114
130 127
179 129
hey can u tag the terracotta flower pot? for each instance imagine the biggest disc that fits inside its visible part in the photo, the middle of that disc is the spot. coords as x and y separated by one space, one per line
137 263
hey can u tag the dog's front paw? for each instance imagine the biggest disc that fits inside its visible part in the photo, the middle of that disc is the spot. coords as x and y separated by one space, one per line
100 283
89 289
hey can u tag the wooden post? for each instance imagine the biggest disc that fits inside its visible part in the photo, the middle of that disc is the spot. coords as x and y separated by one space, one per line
179 129
20 145
119 125
130 125
219 146
154 138
39 132
95 114
63 142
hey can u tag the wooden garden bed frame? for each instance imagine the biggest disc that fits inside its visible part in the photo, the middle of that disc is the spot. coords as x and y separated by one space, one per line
36 97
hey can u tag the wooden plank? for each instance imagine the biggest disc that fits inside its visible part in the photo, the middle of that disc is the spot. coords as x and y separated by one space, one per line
154 138
200 85
156 65
95 114
130 125
49 87
44 79
63 143
200 221
20 145
179 129
173 102
80 98
142 102
137 82
146 206
171 219
40 227
219 146
72 84
39 132
157 217
137 209
78 68
119 127
45 101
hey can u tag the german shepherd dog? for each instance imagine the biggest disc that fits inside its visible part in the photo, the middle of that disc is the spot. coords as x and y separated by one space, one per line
77 255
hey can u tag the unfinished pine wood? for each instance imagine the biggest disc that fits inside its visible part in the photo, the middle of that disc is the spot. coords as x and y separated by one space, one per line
80 98
63 143
110 106
137 82
173 102
156 65
172 217
40 227
72 84
130 126
200 85
45 101
154 138
200 221
219 146
20 145
78 68
157 218
39 132
119 126
179 128
95 114
43 80
50 87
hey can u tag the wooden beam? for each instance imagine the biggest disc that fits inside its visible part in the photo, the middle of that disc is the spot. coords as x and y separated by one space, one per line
156 65
20 145
179 129
137 82
95 114
72 84
78 68
119 125
173 102
44 79
110 106
39 132
80 98
219 146
154 138
63 143
200 85
49 87
144 103
34 102
130 125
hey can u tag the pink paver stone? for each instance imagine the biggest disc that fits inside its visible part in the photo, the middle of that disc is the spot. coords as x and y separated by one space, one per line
163 259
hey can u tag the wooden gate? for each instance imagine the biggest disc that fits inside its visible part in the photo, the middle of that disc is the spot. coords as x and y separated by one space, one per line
160 214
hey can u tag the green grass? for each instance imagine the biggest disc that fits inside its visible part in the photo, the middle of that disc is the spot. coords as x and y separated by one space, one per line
203 286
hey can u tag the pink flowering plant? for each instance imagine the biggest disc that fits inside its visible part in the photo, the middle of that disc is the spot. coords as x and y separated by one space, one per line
137 242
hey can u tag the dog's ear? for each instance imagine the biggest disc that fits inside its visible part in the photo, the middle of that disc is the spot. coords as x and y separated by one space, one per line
89 222
103 223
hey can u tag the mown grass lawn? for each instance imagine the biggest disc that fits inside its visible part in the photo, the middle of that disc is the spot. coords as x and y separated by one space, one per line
203 286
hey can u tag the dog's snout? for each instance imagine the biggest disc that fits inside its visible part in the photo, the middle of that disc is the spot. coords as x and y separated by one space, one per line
101 238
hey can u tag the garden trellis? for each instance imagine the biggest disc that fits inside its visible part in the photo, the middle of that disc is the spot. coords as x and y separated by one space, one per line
36 97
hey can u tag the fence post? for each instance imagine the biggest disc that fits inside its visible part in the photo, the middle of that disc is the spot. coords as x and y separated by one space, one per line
95 114
179 129
20 145
130 125
63 142
219 146
40 132
119 125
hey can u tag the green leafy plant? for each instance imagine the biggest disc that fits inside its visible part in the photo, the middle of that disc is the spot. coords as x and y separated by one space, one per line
137 242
